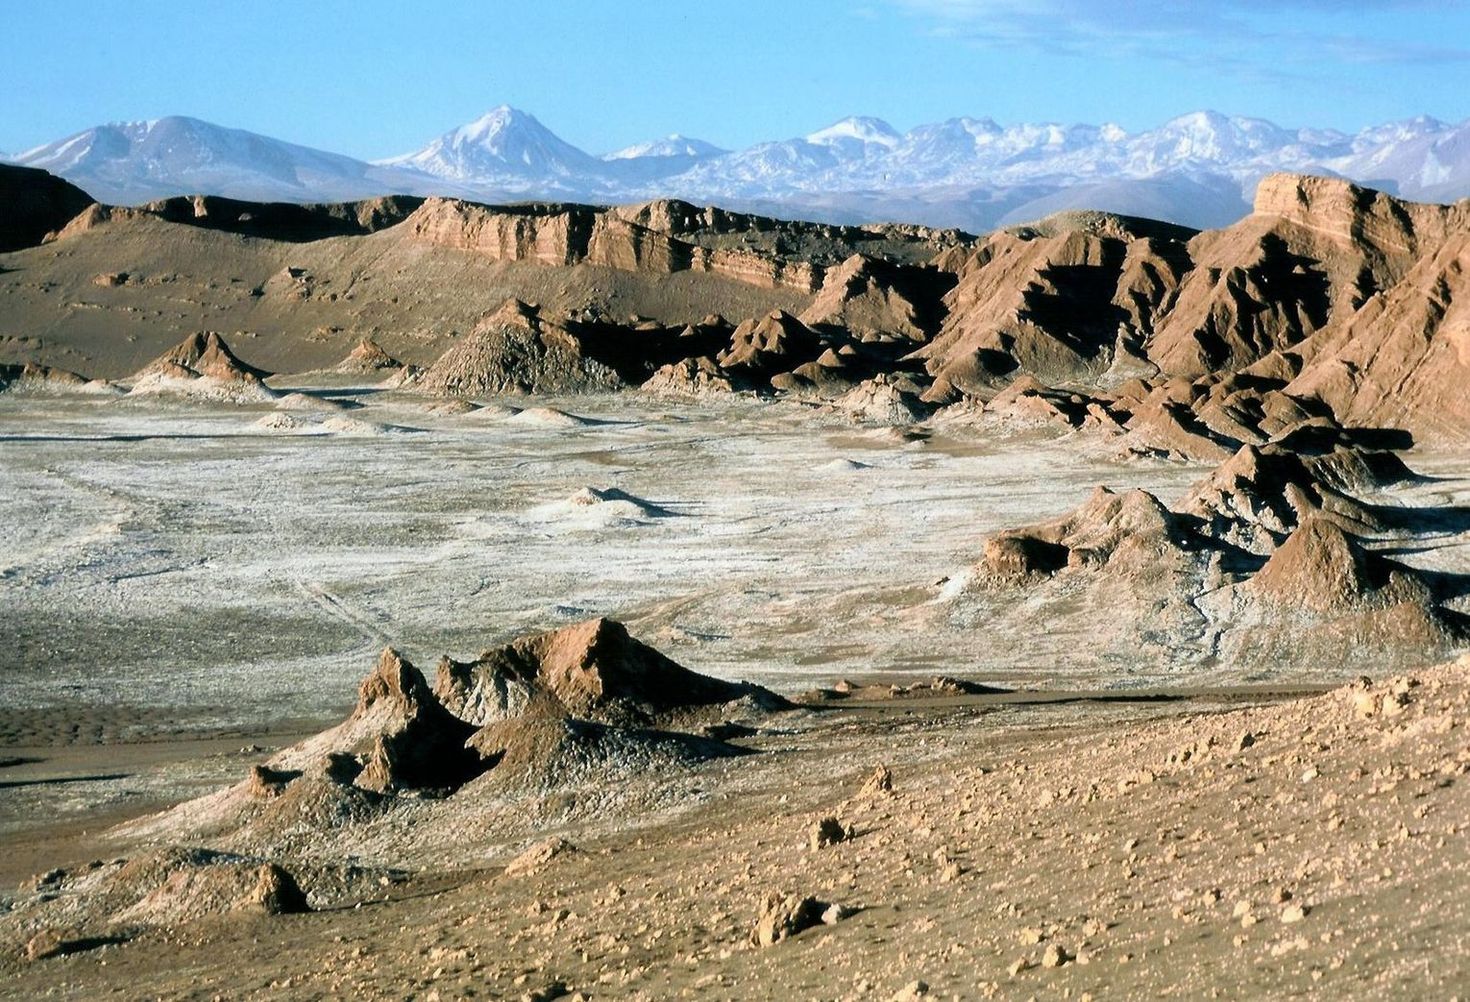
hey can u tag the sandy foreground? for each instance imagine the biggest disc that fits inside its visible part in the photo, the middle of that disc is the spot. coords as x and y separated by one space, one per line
1214 845
1116 829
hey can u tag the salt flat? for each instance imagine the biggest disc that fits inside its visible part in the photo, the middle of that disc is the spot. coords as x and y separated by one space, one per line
181 555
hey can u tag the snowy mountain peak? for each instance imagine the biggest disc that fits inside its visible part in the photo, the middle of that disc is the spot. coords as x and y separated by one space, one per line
873 131
1198 169
1198 121
503 145
1208 137
490 127
672 145
129 162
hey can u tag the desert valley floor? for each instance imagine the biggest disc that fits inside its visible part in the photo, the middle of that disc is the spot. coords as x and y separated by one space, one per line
758 540
250 561
767 541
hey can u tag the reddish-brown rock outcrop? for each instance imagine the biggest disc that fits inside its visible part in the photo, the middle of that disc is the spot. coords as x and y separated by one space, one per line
1060 305
368 358
399 734
1313 251
873 298
554 234
777 342
1324 569
1403 360
594 670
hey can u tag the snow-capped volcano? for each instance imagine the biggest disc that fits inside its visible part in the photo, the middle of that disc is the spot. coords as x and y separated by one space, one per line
1199 169
137 161
505 147
646 164
673 145
857 134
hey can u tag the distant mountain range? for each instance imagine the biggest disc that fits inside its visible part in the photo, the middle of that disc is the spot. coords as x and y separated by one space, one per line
1199 169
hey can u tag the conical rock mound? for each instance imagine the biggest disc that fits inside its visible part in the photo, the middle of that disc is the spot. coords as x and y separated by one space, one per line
1324 569
1132 531
202 365
1260 496
587 704
873 298
368 358
399 733
544 747
775 343
594 670
28 377
518 349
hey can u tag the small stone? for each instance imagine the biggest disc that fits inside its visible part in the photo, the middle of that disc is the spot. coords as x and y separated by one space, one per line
786 915
911 991
546 993
828 832
538 855
46 943
1293 913
878 783
1055 956
265 783
835 913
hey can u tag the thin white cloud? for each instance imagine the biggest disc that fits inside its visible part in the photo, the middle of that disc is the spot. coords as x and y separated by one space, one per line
1248 37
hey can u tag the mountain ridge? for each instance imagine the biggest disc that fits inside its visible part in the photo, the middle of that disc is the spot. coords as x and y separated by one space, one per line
1198 169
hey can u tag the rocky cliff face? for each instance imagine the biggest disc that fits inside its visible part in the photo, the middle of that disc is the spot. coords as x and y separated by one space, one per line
269 221
1057 306
33 204
1313 251
1328 300
1403 359
664 237
875 299
573 234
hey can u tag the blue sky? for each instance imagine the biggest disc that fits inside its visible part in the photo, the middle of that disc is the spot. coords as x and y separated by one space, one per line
374 78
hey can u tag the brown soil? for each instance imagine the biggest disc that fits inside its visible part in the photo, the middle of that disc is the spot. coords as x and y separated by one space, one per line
1118 849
